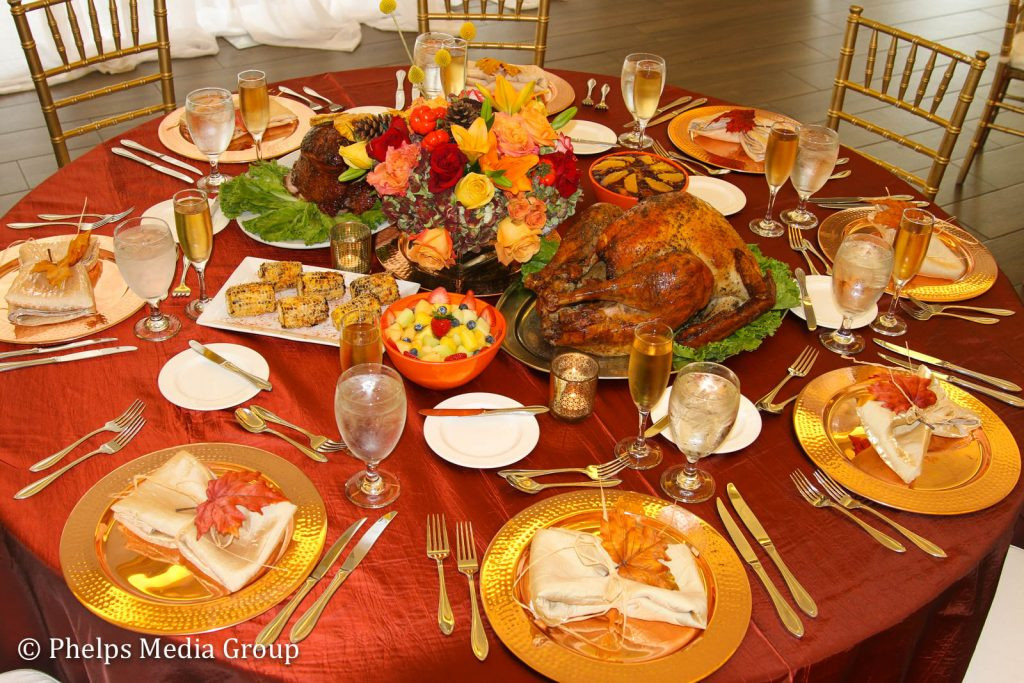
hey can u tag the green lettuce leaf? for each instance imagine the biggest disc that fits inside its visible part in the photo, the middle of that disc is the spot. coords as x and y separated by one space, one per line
548 247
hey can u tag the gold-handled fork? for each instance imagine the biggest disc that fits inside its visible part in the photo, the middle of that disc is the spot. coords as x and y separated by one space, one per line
118 425
818 499
182 289
595 472
316 441
939 308
798 244
437 550
687 162
800 367
465 555
602 106
922 314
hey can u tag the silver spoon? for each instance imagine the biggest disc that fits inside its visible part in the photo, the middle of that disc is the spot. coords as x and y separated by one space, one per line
842 160
256 424
333 106
840 174
588 101
528 485
291 93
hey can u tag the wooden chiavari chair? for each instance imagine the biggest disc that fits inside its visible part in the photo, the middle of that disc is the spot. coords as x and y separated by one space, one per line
1006 71
495 10
40 76
906 98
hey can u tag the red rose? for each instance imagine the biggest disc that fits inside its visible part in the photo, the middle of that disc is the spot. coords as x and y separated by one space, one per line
395 136
567 176
447 166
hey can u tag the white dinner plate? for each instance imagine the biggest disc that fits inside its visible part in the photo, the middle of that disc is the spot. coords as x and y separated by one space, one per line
724 196
191 381
744 430
367 109
481 442
819 288
589 130
165 212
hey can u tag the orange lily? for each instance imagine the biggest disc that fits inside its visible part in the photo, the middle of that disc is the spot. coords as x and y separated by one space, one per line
515 168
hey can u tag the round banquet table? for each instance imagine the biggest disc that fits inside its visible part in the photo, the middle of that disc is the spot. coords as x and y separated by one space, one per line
883 616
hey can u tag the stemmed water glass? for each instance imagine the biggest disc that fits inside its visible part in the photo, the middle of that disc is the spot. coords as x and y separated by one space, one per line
145 254
195 235
423 52
369 405
816 154
643 79
860 274
254 103
702 408
910 247
210 117
778 161
650 364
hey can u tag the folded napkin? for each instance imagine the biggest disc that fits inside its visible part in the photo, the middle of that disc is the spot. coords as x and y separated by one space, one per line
940 262
572 578
754 142
32 300
517 75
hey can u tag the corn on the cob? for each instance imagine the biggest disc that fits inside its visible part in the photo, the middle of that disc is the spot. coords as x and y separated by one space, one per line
325 283
280 274
381 285
364 302
251 298
301 311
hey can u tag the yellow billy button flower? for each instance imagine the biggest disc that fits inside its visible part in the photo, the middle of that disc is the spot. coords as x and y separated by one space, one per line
473 140
467 31
443 58
388 6
474 190
416 75
355 155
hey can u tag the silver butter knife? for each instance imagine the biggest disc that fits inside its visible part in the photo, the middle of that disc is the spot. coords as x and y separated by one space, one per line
307 621
131 144
672 114
400 89
862 200
952 379
228 365
62 347
945 364
664 108
805 299
81 355
122 152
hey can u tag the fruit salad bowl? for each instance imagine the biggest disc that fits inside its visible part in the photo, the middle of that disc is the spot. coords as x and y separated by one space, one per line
442 340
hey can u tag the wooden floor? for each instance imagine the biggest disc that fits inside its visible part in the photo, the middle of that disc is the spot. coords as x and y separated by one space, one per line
776 54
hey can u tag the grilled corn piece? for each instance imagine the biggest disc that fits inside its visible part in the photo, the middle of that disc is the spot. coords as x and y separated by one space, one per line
301 311
382 286
325 283
280 274
363 302
251 298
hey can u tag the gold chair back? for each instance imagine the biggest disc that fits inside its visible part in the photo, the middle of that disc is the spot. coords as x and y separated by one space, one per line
496 11
124 37
918 100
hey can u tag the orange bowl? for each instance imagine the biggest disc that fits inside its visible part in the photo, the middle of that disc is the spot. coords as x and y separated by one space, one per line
446 374
624 200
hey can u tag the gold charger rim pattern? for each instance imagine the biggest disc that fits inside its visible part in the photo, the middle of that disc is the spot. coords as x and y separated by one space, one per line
986 489
564 94
726 628
84 574
982 269
679 134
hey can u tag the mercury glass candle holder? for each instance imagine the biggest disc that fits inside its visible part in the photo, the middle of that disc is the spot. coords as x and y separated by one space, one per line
573 386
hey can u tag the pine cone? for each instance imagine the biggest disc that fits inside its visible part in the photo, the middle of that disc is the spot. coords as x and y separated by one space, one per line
370 126
462 112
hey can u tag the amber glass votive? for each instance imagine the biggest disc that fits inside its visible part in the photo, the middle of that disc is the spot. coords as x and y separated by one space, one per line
351 247
573 386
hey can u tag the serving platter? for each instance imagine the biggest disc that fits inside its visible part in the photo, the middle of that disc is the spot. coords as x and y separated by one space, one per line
718 153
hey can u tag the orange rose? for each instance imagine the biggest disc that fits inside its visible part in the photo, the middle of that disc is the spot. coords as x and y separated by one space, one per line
534 120
513 139
516 241
432 249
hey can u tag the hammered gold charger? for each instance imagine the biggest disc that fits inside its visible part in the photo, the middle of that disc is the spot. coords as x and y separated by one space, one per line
148 595
679 654
718 153
979 275
958 475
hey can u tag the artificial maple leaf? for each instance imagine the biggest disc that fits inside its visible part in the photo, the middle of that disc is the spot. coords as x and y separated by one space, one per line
57 273
223 496
899 390
739 120
889 212
636 548
859 443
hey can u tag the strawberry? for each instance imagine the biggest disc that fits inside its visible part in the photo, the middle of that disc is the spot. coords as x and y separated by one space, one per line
409 353
440 324
455 356
389 317
439 296
468 302
488 315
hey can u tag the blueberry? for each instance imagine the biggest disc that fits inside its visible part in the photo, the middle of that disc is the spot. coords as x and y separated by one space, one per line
407 340
443 310
471 325
455 322
418 326
414 352
489 339
463 307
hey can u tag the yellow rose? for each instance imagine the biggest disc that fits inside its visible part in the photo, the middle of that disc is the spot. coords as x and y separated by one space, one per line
516 241
533 119
355 155
473 141
474 190
432 249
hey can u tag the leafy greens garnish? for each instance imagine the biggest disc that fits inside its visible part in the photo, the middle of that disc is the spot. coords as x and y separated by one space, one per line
548 247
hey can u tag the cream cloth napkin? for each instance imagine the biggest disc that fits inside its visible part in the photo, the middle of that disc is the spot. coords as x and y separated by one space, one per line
572 578
940 262
32 300
754 142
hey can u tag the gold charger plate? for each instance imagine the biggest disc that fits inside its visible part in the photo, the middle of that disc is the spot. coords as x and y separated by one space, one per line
114 302
716 152
979 275
693 656
562 97
150 596
958 475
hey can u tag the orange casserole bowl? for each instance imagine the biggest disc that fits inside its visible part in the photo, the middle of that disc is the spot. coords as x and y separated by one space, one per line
624 200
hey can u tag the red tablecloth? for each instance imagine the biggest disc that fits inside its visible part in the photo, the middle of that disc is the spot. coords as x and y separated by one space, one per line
882 615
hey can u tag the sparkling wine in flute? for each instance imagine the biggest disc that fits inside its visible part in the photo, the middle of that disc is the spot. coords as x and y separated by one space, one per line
195 228
779 155
910 248
453 76
360 343
255 105
647 86
650 363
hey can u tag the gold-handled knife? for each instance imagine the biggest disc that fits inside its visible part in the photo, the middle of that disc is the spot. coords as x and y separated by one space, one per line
658 427
786 613
272 630
994 393
805 300
946 365
803 599
228 365
672 114
665 107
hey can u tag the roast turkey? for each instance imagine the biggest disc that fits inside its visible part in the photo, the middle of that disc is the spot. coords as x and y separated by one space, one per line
314 177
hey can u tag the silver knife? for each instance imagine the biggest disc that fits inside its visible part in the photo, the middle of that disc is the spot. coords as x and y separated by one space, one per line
860 200
677 112
307 621
272 630
400 90
952 379
787 614
228 365
938 362
131 144
121 152
62 347
81 355
674 103
805 299
803 599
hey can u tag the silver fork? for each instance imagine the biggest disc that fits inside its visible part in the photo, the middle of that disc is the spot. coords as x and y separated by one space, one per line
843 497
601 106
316 441
182 289
687 161
116 425
84 226
797 243
919 314
437 550
111 447
333 106
819 500
291 93
939 308
800 367
805 245
595 472
588 101
465 555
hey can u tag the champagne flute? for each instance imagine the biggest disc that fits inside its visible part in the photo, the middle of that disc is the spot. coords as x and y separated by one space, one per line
369 405
195 235
210 117
909 251
778 162
359 341
860 274
703 405
427 45
453 76
145 254
650 364
254 103
816 154
643 79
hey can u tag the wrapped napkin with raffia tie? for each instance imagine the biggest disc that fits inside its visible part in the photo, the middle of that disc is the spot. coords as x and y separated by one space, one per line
53 286
940 261
739 126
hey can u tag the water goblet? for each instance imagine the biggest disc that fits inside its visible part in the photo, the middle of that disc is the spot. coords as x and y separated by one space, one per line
210 117
910 247
254 103
423 52
778 162
643 79
860 274
145 254
816 154
195 235
650 364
